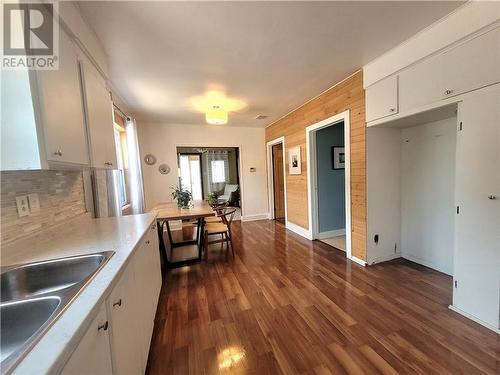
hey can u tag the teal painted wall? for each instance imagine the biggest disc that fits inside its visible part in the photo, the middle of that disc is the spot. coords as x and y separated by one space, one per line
331 183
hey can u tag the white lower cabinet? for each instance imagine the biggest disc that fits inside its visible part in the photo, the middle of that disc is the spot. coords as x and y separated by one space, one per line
123 312
148 281
92 355
117 342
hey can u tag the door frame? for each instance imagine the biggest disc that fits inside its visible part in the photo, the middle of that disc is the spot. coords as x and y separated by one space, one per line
312 181
240 163
270 175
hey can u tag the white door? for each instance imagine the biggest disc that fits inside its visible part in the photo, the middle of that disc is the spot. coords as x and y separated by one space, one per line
99 110
92 355
62 107
477 250
125 328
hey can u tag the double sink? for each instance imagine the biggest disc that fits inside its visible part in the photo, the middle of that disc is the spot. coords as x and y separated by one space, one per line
34 295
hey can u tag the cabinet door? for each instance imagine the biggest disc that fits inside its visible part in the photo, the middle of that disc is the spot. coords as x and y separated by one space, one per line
155 267
61 107
477 238
123 311
421 84
472 65
382 99
92 355
99 116
148 281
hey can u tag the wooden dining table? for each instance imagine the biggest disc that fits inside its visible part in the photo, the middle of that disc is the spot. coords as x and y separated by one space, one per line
169 211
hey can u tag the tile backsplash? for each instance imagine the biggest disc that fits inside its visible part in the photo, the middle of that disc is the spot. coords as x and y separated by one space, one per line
61 197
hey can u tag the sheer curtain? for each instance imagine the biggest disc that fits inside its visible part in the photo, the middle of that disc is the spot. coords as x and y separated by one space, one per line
134 168
217 170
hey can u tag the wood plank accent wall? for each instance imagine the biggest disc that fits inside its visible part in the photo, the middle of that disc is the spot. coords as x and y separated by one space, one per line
347 95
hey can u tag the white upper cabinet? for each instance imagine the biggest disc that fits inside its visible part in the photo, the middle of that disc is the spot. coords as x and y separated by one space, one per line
99 118
468 66
472 65
61 108
382 99
422 84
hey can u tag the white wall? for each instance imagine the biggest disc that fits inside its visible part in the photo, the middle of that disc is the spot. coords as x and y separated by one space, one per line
383 160
162 141
428 194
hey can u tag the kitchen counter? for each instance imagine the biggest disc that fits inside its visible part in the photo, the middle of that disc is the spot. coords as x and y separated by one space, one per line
81 235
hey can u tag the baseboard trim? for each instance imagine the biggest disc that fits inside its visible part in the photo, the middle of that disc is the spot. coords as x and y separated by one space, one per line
299 230
358 261
385 258
331 233
472 317
255 217
423 262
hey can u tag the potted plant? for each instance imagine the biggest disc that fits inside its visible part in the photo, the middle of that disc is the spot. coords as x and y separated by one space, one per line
213 198
182 196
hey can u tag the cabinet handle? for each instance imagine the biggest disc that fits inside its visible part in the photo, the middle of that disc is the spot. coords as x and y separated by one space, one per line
58 153
108 163
153 227
147 242
392 109
103 327
492 197
448 92
118 303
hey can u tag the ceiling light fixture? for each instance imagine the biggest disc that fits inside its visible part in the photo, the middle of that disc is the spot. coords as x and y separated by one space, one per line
216 116
216 106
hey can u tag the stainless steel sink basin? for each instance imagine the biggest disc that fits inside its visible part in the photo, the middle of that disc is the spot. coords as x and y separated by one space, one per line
21 319
34 295
47 277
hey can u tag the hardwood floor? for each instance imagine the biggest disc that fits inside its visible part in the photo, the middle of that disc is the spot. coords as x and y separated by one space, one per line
292 306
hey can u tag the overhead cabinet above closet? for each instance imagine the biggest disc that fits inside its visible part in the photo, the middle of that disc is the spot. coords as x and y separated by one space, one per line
465 67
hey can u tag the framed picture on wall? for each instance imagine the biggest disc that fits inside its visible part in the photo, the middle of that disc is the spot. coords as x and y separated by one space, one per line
338 157
294 166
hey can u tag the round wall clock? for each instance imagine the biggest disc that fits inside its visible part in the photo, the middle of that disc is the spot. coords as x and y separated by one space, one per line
164 169
150 159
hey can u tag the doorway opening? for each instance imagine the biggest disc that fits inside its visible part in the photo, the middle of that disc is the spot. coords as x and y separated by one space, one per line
278 183
330 182
276 180
211 172
328 163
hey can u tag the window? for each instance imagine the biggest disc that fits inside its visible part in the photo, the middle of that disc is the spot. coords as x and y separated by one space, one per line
121 159
218 171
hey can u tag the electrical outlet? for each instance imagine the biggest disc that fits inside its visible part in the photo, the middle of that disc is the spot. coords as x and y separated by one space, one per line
34 202
23 208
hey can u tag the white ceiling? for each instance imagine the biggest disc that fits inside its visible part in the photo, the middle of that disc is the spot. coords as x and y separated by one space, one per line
273 55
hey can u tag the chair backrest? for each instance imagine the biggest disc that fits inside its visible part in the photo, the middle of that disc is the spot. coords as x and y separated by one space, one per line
219 207
227 216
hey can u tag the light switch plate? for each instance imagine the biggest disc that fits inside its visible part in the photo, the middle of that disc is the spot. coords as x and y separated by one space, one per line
34 202
23 208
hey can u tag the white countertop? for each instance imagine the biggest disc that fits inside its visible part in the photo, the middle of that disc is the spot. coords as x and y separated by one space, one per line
82 235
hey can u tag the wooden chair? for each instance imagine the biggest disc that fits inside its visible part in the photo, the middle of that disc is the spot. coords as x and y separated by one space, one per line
219 209
223 229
